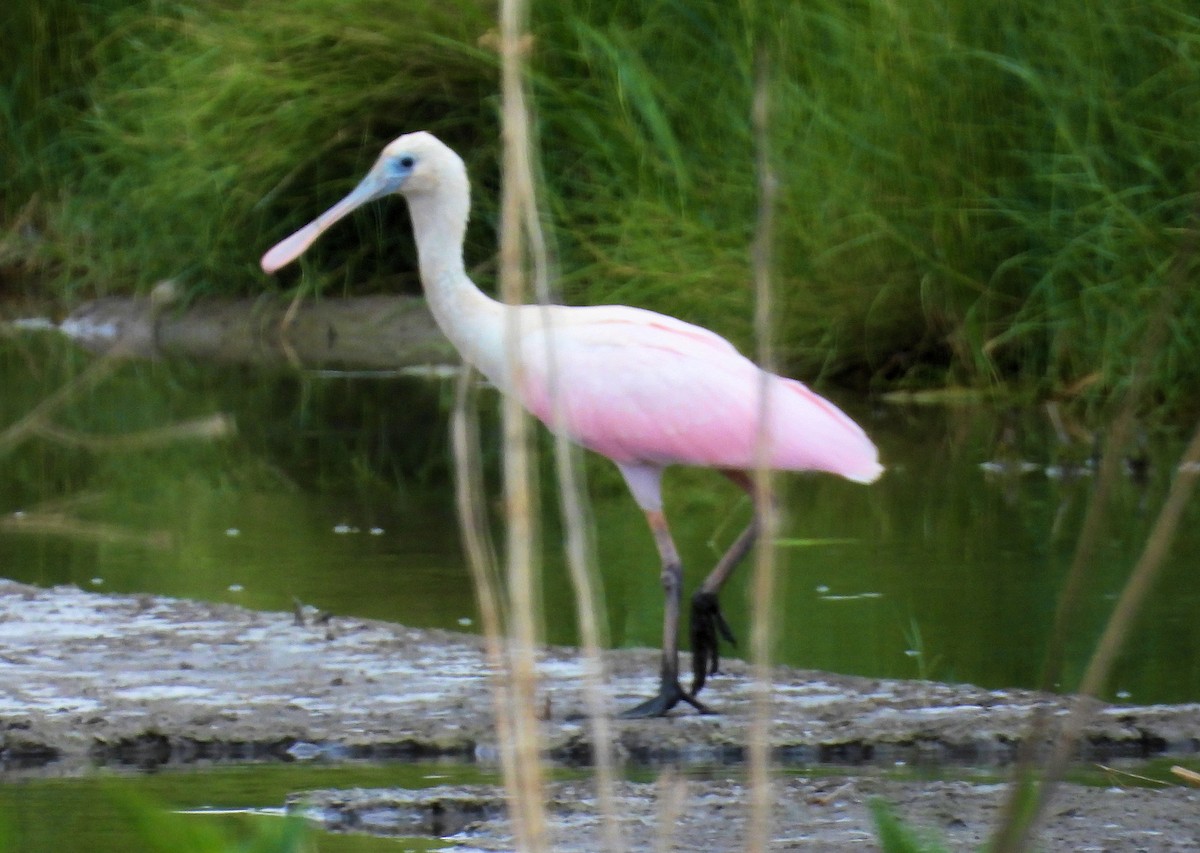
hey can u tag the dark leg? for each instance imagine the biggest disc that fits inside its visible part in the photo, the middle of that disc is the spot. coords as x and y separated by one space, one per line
707 621
669 691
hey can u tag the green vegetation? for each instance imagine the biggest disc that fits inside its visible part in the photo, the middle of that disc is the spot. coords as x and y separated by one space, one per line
895 836
160 831
975 196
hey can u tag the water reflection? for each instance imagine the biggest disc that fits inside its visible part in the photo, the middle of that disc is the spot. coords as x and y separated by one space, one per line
106 813
334 492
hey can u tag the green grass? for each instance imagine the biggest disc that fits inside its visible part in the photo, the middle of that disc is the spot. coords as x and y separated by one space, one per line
895 836
978 196
210 128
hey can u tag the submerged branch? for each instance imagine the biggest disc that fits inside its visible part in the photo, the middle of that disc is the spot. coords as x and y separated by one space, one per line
60 524
208 428
40 414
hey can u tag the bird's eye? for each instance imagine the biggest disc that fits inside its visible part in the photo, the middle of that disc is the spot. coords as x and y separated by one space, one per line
398 168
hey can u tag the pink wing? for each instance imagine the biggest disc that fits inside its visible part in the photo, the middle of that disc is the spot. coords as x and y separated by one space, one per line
640 387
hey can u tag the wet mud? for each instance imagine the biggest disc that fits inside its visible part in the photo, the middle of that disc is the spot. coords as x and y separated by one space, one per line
830 813
90 679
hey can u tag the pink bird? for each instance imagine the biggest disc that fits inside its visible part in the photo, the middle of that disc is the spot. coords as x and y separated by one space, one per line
641 388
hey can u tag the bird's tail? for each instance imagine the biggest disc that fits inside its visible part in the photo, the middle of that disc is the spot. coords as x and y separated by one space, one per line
812 434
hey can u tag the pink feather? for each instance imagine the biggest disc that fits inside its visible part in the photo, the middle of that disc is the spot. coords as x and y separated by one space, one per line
640 387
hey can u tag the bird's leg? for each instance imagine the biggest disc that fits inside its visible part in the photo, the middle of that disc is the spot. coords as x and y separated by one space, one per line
707 620
670 693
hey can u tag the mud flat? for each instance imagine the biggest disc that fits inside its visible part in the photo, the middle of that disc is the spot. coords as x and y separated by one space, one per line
88 679
830 813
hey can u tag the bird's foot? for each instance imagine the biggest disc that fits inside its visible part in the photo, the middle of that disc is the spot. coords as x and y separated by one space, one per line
707 623
670 694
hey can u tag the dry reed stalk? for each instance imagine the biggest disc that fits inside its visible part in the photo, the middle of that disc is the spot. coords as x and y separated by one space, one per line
1189 776
1125 775
527 810
759 823
572 500
481 560
588 607
523 240
580 555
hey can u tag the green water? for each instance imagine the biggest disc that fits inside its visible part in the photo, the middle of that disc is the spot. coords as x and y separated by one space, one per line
112 814
334 491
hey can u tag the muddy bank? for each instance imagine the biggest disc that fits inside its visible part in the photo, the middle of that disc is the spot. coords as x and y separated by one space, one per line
96 679
830 813
364 333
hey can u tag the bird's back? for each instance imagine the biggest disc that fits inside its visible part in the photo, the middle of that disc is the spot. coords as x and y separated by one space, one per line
641 387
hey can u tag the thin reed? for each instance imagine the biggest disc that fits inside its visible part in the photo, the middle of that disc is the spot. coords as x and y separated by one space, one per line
526 809
762 633
482 563
523 245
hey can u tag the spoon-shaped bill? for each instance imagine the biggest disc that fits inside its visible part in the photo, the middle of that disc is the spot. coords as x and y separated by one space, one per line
292 247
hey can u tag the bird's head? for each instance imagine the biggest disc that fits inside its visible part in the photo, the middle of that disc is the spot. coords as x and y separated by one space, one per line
416 165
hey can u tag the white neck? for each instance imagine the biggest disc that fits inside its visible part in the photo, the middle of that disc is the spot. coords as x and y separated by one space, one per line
473 321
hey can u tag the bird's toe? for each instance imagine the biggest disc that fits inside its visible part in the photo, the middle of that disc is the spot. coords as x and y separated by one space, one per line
669 695
707 624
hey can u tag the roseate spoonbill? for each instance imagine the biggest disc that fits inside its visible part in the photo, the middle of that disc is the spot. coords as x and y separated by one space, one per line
641 388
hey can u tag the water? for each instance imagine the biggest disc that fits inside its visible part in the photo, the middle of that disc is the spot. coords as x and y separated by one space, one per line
114 814
334 492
